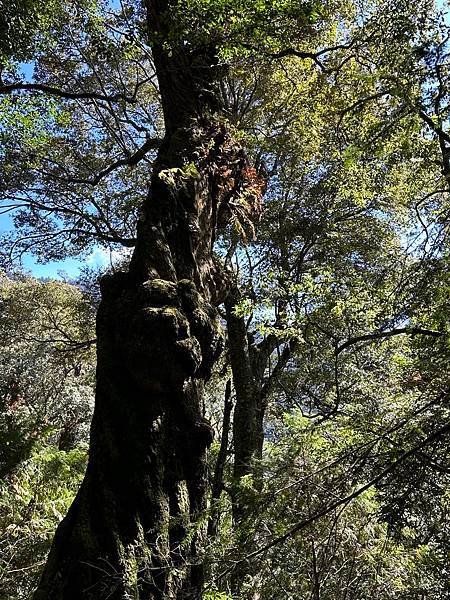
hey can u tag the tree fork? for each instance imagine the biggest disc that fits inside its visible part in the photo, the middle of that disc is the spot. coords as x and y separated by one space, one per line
133 529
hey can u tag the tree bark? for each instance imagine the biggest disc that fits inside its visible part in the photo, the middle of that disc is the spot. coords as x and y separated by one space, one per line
248 439
134 529
248 411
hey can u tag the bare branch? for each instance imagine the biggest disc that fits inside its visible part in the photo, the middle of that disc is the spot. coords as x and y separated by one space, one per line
130 161
54 91
314 56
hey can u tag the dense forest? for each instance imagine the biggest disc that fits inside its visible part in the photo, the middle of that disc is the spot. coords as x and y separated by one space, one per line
251 401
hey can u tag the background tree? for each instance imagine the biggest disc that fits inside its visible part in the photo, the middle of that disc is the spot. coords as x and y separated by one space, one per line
47 381
47 358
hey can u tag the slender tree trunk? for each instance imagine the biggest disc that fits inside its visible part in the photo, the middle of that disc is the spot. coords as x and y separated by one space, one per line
248 439
249 363
217 479
133 530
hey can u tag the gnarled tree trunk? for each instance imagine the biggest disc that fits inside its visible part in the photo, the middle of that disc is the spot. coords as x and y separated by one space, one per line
133 530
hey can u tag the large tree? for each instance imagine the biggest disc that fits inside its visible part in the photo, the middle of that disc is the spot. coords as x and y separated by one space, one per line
135 528
350 159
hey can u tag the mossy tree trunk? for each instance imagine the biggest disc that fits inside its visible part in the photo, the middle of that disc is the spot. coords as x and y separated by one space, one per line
135 528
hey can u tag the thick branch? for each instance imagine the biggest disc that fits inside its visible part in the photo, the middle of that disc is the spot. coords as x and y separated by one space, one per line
386 334
130 161
434 126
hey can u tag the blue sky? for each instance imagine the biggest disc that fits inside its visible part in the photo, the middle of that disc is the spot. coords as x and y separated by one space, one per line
55 270
70 267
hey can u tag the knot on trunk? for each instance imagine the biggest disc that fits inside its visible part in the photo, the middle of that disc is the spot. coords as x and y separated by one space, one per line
204 325
165 332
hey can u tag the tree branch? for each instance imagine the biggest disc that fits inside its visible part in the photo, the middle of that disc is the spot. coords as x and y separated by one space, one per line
434 126
130 161
54 91
327 509
283 359
314 56
386 334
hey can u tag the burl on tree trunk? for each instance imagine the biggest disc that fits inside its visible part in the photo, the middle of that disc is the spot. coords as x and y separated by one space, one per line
135 528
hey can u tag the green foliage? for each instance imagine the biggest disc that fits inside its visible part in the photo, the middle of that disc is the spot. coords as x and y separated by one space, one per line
32 502
57 146
46 380
234 24
216 596
23 25
307 467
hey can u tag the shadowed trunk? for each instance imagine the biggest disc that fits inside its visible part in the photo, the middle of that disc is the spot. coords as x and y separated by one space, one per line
217 479
248 439
252 383
133 530
248 433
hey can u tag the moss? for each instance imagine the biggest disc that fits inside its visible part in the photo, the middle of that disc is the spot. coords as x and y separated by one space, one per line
160 292
183 501
133 559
